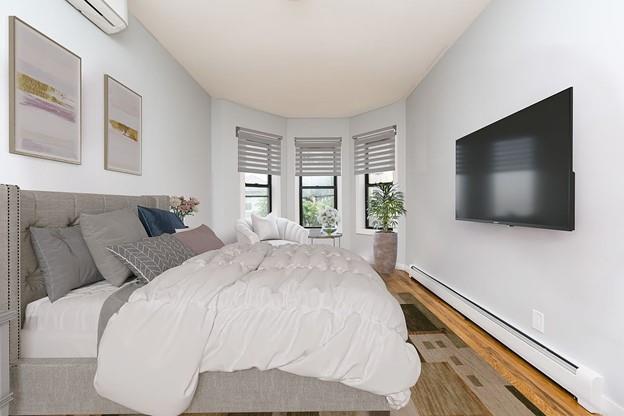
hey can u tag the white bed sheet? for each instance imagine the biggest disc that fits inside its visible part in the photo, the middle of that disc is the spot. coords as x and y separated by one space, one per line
313 311
66 328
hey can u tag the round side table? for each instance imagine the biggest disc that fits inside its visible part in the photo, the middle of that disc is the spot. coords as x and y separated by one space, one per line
321 235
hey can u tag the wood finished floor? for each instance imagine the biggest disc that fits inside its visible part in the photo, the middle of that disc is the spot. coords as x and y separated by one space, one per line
535 386
465 372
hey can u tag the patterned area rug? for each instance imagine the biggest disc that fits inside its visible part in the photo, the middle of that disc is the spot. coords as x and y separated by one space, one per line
455 380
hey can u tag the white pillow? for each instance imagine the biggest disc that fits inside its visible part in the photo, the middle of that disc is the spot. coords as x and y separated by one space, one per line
265 227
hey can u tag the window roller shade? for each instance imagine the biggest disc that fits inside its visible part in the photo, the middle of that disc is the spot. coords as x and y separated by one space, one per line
375 151
259 152
318 156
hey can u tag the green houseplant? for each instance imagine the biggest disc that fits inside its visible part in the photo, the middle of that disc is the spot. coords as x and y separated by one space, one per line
385 206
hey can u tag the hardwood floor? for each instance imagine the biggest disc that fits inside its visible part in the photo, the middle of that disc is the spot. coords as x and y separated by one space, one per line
539 389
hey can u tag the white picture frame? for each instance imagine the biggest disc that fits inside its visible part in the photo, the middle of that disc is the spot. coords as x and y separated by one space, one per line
123 131
45 103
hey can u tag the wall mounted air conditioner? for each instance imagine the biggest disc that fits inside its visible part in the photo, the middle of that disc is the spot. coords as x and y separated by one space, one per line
109 15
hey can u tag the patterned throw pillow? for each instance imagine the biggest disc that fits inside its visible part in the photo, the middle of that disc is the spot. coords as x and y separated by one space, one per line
150 257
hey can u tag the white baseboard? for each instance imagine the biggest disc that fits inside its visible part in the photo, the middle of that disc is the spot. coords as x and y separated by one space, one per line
581 381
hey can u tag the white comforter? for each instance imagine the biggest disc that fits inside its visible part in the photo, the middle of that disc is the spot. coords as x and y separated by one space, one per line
308 310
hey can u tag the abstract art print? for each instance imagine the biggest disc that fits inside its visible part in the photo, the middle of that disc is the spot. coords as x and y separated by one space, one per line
123 133
45 96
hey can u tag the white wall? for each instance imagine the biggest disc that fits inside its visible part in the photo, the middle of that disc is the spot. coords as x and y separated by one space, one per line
516 53
176 111
394 114
225 178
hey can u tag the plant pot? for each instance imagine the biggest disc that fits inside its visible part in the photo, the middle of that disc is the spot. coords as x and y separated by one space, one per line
385 251
328 230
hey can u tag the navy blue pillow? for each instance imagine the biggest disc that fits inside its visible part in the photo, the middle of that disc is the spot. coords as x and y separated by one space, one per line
158 221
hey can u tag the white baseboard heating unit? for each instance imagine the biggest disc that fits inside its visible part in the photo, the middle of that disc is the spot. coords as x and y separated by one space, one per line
582 382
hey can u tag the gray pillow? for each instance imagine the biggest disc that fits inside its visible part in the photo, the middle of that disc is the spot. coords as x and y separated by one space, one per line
152 256
64 259
107 229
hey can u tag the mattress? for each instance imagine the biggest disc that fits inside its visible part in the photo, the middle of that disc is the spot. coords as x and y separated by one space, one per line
66 328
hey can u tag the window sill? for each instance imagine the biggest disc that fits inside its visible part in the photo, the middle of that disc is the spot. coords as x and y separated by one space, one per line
365 231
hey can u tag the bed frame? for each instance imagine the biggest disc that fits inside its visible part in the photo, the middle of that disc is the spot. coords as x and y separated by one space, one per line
65 386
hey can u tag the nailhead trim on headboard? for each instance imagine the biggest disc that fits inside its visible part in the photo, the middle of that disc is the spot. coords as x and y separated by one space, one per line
11 231
18 237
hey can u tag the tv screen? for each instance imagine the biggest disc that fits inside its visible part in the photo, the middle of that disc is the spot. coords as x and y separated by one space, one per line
518 170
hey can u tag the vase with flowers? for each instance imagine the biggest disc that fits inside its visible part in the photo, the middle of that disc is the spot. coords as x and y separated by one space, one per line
183 206
328 218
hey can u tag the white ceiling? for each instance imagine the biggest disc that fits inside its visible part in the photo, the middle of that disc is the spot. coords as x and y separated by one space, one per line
307 58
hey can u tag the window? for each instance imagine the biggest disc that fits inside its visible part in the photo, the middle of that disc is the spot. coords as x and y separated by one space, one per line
374 157
371 182
316 192
257 194
259 157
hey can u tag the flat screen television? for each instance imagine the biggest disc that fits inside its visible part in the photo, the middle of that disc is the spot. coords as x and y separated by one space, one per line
518 170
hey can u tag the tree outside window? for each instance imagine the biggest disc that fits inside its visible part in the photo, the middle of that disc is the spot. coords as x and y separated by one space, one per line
315 193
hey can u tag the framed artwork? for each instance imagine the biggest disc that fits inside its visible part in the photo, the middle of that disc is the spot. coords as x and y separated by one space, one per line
45 88
123 134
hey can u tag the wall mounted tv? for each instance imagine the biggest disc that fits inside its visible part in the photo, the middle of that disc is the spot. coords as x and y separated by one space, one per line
518 170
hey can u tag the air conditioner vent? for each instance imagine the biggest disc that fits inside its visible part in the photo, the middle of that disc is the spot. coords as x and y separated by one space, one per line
109 15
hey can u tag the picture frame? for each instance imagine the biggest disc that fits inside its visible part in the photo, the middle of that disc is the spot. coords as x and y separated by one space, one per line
45 96
123 128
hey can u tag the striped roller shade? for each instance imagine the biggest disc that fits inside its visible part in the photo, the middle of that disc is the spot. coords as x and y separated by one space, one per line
259 152
374 151
317 156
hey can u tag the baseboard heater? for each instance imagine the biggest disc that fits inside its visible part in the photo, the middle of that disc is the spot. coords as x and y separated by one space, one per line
582 382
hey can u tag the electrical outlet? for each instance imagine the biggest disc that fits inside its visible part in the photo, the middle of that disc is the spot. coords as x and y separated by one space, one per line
538 321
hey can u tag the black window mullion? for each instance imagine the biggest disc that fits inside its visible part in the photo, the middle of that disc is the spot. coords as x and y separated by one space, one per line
270 186
301 200
366 194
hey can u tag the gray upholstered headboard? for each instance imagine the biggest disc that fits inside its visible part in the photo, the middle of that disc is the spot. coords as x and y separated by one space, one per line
21 281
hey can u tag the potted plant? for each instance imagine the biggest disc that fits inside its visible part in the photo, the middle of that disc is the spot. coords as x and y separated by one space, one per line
385 206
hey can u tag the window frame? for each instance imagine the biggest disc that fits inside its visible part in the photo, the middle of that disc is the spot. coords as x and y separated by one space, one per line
302 187
269 186
367 186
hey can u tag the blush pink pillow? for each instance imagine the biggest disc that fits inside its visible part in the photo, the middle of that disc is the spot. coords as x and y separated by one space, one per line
199 240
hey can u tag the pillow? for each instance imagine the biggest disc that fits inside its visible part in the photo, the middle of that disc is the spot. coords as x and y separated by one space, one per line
265 227
199 240
107 229
64 259
151 256
158 221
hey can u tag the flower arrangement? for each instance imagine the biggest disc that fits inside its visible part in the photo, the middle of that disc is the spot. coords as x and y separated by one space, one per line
328 218
182 206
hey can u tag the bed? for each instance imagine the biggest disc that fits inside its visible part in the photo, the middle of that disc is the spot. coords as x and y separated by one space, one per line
51 379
